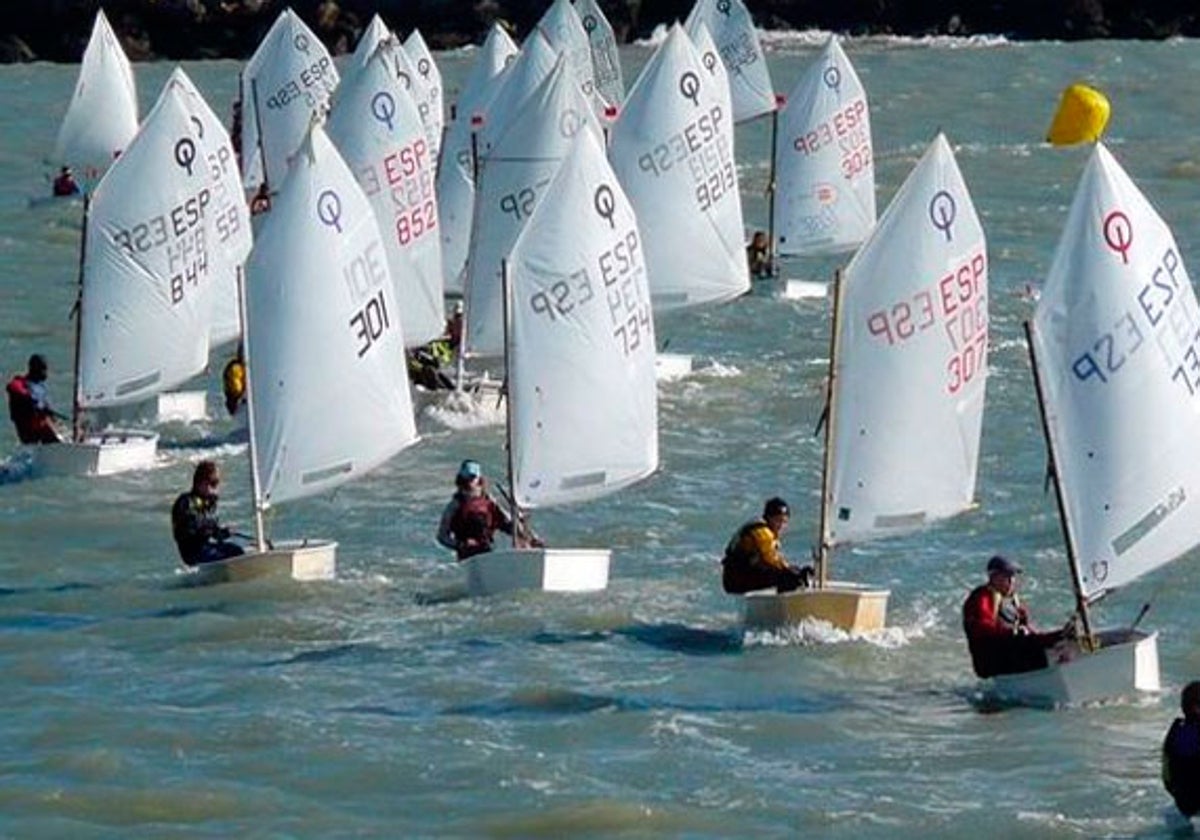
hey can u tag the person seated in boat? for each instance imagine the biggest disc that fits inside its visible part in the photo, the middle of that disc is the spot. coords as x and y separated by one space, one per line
64 183
425 365
758 255
261 203
752 558
233 381
1181 753
1000 634
471 519
194 524
454 327
29 404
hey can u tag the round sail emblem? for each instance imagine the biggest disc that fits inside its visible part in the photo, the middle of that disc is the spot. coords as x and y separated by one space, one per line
383 107
710 61
1100 571
185 153
1118 234
723 6
569 123
825 194
423 68
605 204
832 77
301 42
689 86
589 23
329 209
942 211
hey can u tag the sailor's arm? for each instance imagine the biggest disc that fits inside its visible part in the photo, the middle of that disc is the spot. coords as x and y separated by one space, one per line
445 536
767 548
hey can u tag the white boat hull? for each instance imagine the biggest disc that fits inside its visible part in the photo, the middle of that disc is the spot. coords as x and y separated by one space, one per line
101 453
669 366
1126 663
804 290
546 569
182 407
851 607
298 560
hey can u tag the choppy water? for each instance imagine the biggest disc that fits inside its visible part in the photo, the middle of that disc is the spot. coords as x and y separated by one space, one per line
372 706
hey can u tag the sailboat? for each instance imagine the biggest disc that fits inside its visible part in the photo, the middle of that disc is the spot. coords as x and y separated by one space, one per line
103 115
907 371
733 32
685 193
606 59
146 277
322 328
1113 343
289 78
823 182
579 350
427 91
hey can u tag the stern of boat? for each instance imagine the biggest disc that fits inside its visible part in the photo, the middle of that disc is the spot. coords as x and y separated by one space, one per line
851 607
101 453
303 560
545 569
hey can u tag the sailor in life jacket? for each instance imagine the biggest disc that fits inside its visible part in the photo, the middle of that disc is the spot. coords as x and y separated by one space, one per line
1181 753
999 633
752 560
29 404
471 519
233 381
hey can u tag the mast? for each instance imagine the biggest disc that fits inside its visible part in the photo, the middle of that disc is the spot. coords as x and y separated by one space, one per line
76 410
506 282
262 149
1081 604
255 487
461 373
824 547
780 99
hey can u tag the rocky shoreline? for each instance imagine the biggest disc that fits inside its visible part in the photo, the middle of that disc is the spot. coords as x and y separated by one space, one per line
57 30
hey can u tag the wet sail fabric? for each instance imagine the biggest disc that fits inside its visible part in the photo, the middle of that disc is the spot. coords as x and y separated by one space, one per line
824 161
733 32
325 351
516 84
289 78
606 60
564 30
147 281
455 174
229 236
581 354
103 115
375 34
1117 339
379 132
513 175
427 90
672 148
911 360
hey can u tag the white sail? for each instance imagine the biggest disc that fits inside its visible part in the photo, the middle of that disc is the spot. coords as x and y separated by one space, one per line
824 160
581 354
912 360
427 91
513 175
516 84
564 30
376 127
733 31
103 115
455 174
289 78
323 339
147 283
229 236
375 34
1115 337
606 60
672 148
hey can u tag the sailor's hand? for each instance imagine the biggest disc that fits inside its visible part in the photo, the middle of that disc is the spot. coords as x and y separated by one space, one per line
1022 616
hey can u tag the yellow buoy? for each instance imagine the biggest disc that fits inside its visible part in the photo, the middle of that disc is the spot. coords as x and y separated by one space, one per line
1081 117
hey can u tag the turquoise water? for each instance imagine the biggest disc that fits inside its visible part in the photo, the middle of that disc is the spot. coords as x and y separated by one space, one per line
382 705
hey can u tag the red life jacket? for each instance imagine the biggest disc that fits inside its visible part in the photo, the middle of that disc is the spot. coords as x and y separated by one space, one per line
474 524
33 424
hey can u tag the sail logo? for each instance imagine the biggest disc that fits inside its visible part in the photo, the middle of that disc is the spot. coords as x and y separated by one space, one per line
605 204
383 108
185 154
1118 234
832 77
689 87
942 211
329 209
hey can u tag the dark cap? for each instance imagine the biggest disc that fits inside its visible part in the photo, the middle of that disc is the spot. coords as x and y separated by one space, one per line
469 469
776 506
37 362
1003 565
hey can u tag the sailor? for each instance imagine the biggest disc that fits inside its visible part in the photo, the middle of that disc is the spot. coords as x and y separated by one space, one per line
198 534
471 519
752 559
29 404
233 381
1000 635
64 183
758 256
1181 753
